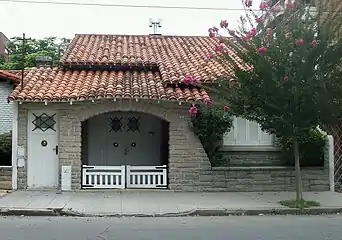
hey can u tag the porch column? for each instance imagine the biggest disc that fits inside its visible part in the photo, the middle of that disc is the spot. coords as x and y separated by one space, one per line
70 148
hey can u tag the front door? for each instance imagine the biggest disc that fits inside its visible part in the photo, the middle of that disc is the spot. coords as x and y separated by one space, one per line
124 140
42 157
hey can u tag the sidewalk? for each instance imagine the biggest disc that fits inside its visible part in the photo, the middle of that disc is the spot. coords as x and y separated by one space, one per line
158 203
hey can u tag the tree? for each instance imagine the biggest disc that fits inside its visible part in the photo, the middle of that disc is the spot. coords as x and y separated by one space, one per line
288 77
51 46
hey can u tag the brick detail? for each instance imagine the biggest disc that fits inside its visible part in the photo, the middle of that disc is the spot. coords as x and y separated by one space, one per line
6 109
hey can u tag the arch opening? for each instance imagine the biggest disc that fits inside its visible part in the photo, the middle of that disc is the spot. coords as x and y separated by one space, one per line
132 144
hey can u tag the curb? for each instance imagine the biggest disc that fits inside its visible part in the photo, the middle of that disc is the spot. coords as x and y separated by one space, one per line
196 212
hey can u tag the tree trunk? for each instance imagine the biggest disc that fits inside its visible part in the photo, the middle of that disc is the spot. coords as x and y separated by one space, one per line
299 192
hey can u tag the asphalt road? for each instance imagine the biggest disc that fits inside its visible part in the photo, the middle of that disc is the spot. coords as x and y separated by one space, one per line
208 228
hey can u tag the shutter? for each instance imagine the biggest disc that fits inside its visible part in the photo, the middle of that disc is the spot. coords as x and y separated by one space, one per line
229 137
253 133
241 131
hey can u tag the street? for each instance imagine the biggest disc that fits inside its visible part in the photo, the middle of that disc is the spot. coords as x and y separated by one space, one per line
240 228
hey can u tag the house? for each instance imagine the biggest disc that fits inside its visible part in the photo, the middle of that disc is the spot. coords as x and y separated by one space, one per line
115 115
7 81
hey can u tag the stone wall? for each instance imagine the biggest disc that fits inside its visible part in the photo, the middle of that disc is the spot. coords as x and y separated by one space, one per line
6 178
251 158
258 179
187 158
189 168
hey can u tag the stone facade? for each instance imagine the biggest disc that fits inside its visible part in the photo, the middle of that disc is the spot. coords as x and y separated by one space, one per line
251 158
263 179
188 169
187 158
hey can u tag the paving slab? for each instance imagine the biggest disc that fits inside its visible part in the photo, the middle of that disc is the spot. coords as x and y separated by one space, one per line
162 203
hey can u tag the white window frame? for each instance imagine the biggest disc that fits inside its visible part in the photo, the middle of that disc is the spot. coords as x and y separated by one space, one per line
260 145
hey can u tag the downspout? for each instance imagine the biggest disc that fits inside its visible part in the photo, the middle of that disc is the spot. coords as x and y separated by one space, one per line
15 146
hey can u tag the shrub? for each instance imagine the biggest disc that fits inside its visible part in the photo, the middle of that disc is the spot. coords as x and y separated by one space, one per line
311 148
6 149
210 124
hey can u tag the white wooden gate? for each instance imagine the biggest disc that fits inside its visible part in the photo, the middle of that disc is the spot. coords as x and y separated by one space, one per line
103 176
124 176
146 176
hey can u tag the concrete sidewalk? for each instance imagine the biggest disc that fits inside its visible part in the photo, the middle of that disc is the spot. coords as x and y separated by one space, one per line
158 203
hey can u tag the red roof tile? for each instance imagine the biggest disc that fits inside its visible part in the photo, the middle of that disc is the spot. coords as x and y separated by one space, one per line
46 84
10 76
174 56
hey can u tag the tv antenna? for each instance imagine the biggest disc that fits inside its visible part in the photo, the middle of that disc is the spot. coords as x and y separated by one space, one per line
155 25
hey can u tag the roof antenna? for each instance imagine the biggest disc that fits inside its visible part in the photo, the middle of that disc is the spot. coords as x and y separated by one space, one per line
155 25
23 39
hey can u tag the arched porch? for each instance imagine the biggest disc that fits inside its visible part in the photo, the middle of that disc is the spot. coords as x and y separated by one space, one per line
124 149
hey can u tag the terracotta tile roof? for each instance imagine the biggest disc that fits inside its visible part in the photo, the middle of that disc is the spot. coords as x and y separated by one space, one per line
174 56
46 84
10 76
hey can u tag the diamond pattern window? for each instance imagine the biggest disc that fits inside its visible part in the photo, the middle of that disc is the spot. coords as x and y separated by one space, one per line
133 124
44 122
115 124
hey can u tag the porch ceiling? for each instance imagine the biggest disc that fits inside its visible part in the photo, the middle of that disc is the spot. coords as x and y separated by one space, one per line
47 84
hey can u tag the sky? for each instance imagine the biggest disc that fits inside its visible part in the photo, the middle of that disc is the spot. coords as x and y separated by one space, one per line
44 20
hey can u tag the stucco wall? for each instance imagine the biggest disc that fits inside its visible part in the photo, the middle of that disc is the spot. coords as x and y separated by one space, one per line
6 109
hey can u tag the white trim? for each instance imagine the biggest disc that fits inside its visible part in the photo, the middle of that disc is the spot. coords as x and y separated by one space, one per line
5 166
15 146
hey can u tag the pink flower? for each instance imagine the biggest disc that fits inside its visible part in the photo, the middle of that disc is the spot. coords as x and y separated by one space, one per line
314 42
262 50
253 32
259 20
225 108
276 9
299 42
190 80
193 110
269 32
209 102
263 5
248 3
291 5
212 34
224 24
244 38
210 56
286 78
219 48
